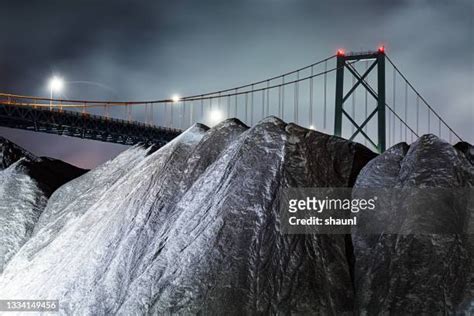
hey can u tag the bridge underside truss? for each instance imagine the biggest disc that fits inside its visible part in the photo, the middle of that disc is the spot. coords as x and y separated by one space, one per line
83 125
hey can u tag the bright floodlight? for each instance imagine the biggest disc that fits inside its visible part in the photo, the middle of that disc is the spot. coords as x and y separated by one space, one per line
311 127
175 98
56 84
215 116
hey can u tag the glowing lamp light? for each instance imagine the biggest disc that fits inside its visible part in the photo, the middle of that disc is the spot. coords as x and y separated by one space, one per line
340 52
381 49
175 98
215 116
311 127
56 84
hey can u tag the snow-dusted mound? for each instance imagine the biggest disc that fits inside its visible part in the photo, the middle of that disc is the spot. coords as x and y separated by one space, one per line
417 273
193 228
26 182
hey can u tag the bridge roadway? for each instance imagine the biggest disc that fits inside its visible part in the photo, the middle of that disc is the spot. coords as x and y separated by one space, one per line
83 125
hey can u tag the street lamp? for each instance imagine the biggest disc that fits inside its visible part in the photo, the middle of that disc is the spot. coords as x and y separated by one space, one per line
175 98
56 84
215 116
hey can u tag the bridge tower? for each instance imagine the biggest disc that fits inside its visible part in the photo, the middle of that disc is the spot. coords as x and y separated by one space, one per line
344 62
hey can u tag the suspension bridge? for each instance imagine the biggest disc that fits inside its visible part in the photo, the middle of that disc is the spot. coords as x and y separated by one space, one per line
359 96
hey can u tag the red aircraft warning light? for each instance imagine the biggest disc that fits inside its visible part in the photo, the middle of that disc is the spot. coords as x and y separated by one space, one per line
340 52
381 49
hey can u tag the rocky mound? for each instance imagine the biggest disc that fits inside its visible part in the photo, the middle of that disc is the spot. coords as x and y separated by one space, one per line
414 272
26 182
194 228
10 153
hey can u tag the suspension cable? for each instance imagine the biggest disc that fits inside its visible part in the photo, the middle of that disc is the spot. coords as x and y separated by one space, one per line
94 103
272 86
421 97
264 80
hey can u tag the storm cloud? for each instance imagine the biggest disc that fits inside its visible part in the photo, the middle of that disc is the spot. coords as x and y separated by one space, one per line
150 49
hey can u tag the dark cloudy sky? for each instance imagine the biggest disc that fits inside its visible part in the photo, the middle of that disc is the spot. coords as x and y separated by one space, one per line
150 49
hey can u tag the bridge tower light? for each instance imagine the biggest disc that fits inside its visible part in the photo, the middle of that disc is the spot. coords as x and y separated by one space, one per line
340 52
381 49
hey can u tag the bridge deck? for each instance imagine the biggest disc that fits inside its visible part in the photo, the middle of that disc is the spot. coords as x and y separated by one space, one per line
83 125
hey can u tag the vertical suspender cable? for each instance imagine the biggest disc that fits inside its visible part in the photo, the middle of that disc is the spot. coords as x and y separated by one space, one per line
406 110
311 98
279 101
325 94
146 113
183 115
401 131
173 104
246 105
191 113
417 114
389 129
235 104
394 103
263 104
439 127
151 108
202 109
283 98
150 120
209 113
268 98
251 106
296 98
429 122
218 101
218 105
228 106
400 134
